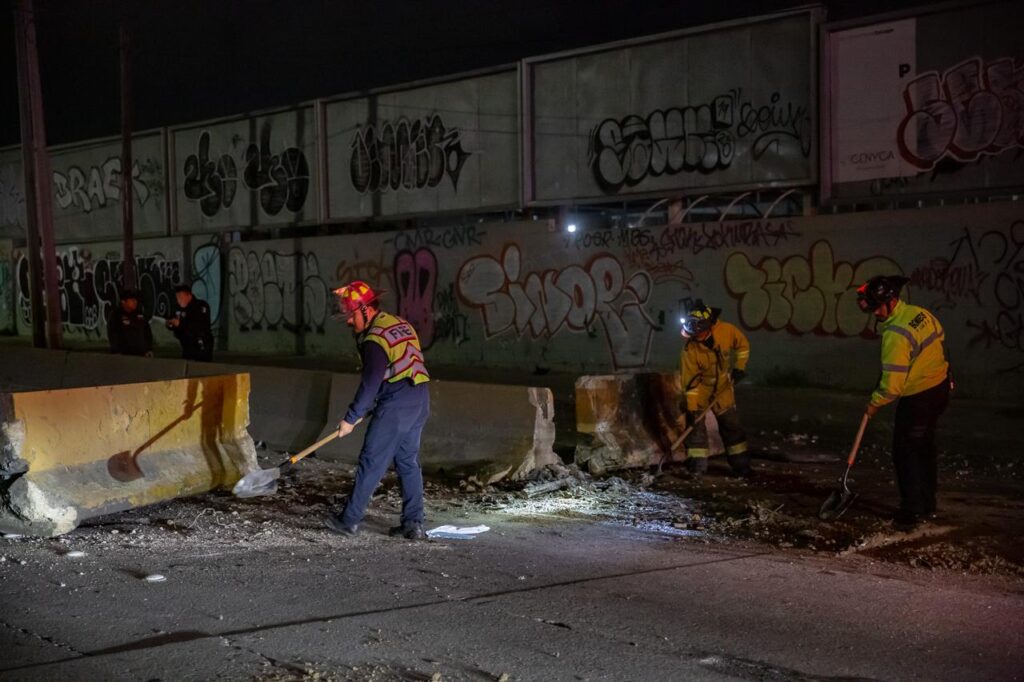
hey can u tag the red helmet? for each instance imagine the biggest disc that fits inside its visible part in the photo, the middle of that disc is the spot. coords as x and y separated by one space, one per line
354 296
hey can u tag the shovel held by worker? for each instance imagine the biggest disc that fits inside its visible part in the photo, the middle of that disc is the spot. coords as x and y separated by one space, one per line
842 497
264 481
686 432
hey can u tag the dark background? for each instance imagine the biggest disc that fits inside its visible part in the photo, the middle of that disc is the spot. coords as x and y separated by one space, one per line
200 59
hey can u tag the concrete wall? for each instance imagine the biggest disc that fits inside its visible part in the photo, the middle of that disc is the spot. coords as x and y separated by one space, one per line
525 298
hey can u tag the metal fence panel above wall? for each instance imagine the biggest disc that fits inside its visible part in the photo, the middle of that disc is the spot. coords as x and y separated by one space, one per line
442 147
727 107
930 104
251 172
87 189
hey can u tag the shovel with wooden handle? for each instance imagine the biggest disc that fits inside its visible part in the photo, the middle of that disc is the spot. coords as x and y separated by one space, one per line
264 481
686 432
842 497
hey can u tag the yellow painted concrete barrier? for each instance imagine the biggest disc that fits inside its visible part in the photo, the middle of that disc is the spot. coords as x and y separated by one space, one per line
631 420
71 454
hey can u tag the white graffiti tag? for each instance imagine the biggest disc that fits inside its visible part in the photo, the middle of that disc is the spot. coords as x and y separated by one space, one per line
573 297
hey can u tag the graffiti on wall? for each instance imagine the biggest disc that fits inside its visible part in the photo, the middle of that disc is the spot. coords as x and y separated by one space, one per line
432 308
280 180
90 288
573 297
406 155
696 139
87 189
972 109
984 272
271 291
206 280
804 294
12 198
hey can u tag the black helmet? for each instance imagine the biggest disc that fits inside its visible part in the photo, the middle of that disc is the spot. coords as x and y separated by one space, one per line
699 318
131 293
879 290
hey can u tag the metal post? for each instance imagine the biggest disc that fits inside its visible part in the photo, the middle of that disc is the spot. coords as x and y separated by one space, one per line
39 160
35 265
127 223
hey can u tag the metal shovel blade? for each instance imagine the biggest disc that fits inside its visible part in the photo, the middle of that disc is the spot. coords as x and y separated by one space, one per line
839 500
256 483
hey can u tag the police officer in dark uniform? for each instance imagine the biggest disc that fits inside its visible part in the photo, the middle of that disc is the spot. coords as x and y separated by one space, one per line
127 327
191 325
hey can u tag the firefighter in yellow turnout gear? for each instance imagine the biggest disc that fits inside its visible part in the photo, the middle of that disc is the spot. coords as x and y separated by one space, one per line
714 358
916 373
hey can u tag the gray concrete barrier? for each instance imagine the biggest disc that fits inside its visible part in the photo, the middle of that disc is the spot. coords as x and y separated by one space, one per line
485 430
288 406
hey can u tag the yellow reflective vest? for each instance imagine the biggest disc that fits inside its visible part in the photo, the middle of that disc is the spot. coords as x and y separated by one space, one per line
913 354
706 365
402 345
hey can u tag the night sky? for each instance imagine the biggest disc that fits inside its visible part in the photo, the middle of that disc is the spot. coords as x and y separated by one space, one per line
200 59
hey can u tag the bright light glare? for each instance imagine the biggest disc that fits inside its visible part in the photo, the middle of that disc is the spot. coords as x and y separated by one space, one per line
571 227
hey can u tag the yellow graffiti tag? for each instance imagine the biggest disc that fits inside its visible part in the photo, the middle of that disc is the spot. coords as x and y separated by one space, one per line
803 295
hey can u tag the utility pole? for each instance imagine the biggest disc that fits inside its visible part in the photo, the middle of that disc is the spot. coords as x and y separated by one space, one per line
38 180
127 223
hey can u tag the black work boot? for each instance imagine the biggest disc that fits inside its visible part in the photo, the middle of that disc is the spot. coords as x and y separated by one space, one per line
696 466
334 523
412 531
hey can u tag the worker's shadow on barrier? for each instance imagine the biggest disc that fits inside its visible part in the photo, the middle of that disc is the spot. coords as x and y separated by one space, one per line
124 466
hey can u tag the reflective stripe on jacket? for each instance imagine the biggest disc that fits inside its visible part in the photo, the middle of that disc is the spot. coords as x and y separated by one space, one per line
706 365
913 354
399 340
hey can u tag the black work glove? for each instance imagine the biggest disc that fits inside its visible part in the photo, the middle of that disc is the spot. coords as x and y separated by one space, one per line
737 375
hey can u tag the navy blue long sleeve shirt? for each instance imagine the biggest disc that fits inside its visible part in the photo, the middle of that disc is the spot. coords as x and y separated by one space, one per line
375 364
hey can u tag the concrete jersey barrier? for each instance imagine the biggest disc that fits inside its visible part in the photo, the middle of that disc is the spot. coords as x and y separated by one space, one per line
71 454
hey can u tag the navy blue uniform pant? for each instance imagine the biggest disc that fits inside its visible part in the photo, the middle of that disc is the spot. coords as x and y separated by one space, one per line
393 436
913 449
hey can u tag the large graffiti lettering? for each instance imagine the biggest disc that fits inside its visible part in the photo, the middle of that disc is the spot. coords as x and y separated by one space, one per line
90 288
407 155
434 312
281 181
264 289
97 186
416 281
574 297
803 295
695 139
971 110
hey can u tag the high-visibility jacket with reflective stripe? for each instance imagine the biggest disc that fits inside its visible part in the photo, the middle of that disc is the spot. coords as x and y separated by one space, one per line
913 354
705 368
402 345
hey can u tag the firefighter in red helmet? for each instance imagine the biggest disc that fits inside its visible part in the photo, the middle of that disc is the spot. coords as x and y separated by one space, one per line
916 373
393 388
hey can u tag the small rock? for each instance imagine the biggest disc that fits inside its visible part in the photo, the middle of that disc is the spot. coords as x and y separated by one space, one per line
12 536
155 578
76 554
436 677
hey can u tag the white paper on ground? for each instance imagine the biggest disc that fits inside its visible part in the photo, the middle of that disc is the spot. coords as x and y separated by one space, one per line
457 532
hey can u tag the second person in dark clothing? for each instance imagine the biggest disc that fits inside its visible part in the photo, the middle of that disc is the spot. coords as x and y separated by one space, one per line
127 327
191 325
